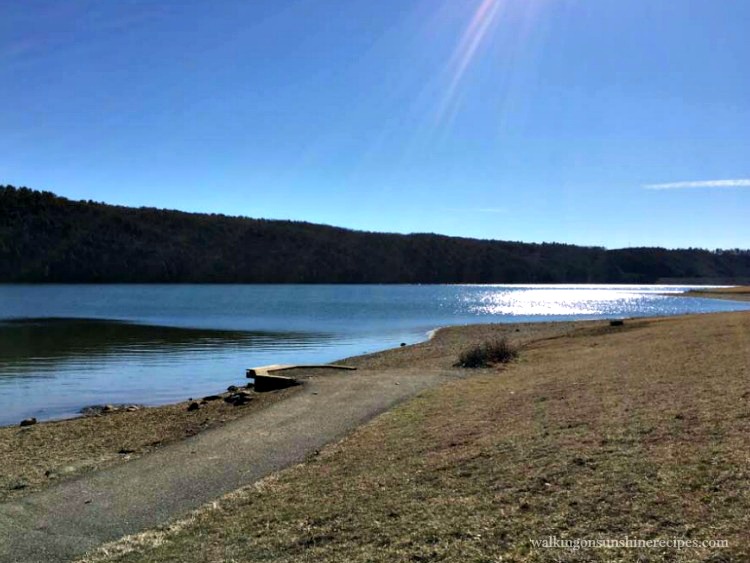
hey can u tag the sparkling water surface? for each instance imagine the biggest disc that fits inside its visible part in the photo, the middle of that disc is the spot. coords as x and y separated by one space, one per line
64 347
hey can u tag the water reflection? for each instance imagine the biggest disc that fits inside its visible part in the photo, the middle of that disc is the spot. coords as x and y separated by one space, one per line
35 346
51 368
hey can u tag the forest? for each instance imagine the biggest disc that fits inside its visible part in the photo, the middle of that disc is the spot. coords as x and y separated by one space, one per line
45 238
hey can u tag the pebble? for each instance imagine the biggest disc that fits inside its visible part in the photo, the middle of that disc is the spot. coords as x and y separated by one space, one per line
28 421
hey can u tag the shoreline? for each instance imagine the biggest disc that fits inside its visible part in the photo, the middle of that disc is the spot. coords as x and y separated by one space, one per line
733 293
35 457
33 402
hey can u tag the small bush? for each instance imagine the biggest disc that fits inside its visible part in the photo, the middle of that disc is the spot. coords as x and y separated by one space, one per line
493 352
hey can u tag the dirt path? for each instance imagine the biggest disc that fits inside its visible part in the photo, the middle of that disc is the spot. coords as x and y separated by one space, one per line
65 521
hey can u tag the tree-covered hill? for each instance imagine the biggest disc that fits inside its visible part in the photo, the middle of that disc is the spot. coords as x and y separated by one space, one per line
46 238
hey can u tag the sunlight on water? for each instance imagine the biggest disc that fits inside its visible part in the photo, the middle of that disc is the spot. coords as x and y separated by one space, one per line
563 301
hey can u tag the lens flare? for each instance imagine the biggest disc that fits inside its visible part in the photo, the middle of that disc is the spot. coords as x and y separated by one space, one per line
484 19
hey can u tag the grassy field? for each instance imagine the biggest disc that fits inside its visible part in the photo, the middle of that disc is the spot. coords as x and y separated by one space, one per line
640 432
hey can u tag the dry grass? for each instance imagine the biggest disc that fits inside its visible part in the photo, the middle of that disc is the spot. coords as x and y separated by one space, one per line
640 431
34 457
487 354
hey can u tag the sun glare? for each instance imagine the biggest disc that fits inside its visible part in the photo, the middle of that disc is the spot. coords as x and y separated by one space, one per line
482 22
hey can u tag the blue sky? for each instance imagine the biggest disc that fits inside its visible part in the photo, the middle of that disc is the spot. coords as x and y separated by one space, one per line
595 122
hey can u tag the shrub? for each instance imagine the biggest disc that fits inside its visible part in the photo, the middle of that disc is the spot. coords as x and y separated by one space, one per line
498 351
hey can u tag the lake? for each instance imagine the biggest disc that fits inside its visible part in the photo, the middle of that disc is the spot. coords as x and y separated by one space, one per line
64 347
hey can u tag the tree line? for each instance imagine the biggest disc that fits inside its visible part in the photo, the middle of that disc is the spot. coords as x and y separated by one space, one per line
47 238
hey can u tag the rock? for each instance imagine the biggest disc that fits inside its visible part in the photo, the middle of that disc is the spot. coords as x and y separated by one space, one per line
403 344
211 398
126 451
60 471
238 399
98 410
18 485
616 322
232 388
193 406
28 422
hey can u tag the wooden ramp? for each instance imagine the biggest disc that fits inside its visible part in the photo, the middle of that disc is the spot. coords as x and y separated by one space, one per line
267 380
266 370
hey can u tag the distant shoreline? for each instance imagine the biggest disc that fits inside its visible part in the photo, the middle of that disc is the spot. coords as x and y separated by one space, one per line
735 293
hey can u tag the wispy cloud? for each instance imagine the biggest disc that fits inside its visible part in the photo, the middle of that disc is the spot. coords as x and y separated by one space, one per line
736 183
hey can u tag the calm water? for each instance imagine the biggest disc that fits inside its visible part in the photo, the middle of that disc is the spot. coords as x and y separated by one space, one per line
63 347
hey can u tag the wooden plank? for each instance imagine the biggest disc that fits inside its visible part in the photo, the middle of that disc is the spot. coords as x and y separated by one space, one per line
266 370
